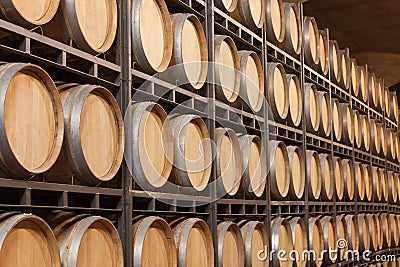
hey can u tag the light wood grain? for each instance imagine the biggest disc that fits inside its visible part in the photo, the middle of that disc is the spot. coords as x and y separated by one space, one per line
227 70
279 92
281 171
295 105
276 18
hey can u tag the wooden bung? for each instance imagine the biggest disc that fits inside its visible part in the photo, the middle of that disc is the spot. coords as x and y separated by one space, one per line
297 172
293 32
192 151
295 100
227 70
279 172
253 165
328 182
281 239
190 52
323 52
312 108
311 41
194 243
337 123
29 15
255 238
339 177
153 243
325 108
228 160
250 13
330 235
313 175
275 21
277 91
348 171
152 38
94 136
251 81
316 240
27 240
32 125
150 139
89 241
92 26
230 245
299 236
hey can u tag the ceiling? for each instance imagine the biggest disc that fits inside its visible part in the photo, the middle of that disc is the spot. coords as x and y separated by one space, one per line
370 28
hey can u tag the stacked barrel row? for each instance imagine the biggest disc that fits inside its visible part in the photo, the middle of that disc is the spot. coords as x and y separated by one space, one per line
64 240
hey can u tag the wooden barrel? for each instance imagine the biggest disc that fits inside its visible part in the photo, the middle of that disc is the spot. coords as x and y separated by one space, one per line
339 177
275 21
366 132
372 88
348 172
277 91
293 32
251 81
255 238
27 240
348 123
379 232
316 240
254 169
295 100
363 84
384 139
29 15
312 109
397 148
383 176
391 144
297 172
31 121
281 240
393 181
358 134
94 136
381 95
313 175
227 70
334 61
323 52
353 240
354 77
89 241
299 236
393 221
311 41
387 100
377 184
330 237
153 243
325 108
190 53
386 230
228 161
364 232
230 245
345 68
337 123
250 14
375 137
194 243
279 170
92 26
368 179
150 140
394 111
227 6
360 182
192 151
372 231
343 234
328 180
398 191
